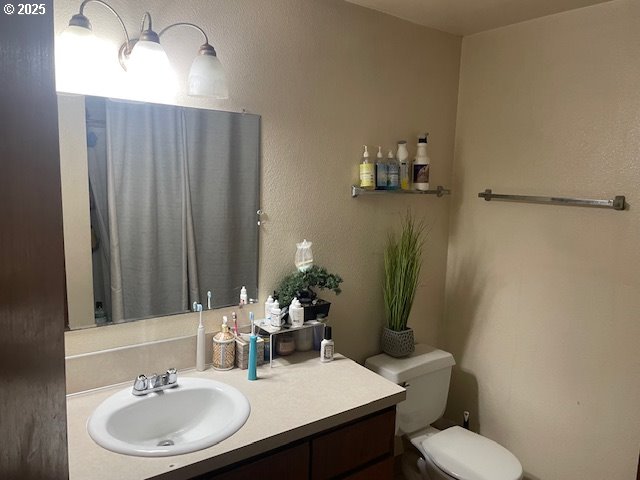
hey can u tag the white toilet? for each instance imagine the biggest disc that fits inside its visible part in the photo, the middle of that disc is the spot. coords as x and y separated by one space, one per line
451 454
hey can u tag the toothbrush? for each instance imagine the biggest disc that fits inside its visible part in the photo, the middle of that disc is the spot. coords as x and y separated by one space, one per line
200 345
252 374
209 300
235 323
253 325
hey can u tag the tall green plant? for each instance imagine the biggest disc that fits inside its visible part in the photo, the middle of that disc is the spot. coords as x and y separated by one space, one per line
402 264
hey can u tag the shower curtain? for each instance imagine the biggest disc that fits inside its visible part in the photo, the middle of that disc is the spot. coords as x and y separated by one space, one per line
143 205
172 187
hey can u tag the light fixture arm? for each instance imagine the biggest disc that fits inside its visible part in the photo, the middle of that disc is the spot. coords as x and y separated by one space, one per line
111 9
146 16
207 46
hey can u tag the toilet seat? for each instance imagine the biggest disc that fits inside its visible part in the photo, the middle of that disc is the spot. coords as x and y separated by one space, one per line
465 455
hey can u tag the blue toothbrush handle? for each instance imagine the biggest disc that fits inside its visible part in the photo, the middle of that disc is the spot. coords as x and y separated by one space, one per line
253 360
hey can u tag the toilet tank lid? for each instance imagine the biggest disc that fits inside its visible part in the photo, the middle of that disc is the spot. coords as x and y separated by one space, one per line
424 360
466 455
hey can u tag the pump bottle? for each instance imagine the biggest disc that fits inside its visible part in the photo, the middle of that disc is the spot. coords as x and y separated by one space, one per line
367 171
393 172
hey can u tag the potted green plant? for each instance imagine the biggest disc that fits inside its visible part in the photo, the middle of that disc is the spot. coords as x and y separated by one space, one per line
301 284
402 265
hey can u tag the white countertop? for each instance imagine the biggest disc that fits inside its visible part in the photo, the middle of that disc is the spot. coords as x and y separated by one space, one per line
299 397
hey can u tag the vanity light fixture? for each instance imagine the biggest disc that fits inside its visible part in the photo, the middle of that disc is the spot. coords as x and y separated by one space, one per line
145 58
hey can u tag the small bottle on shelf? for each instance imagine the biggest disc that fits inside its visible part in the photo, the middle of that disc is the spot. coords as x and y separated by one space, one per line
243 296
421 165
367 171
393 172
403 162
381 171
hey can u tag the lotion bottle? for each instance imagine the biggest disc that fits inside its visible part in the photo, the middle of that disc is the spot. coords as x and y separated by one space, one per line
367 171
326 346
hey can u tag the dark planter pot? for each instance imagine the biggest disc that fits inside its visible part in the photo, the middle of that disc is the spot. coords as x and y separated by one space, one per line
397 344
321 308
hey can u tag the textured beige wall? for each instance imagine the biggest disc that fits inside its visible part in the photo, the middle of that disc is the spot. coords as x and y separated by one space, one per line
326 76
543 301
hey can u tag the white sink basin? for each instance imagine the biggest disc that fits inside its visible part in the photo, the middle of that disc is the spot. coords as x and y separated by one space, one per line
196 414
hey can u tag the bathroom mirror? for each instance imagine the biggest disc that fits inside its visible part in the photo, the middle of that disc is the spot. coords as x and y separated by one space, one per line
170 202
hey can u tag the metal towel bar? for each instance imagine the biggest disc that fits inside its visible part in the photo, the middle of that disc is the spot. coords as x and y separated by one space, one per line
618 203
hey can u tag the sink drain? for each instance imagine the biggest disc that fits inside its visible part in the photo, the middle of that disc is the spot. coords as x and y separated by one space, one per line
165 443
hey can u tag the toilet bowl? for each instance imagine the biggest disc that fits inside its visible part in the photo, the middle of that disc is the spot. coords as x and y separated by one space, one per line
451 454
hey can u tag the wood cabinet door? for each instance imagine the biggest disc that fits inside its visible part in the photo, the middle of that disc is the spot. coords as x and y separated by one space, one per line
288 464
378 471
350 447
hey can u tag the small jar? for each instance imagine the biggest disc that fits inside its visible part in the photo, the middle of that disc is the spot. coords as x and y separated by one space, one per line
285 344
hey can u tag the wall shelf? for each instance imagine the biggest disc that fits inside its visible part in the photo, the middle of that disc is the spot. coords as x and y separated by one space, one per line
439 191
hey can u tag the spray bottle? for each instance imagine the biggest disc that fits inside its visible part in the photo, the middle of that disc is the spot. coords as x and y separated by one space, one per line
421 165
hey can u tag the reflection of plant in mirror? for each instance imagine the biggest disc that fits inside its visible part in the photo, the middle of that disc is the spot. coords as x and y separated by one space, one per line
299 284
402 263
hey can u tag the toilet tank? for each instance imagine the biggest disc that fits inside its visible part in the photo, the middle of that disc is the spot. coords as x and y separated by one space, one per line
425 374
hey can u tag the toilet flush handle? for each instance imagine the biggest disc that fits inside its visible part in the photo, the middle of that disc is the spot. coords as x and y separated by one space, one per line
405 385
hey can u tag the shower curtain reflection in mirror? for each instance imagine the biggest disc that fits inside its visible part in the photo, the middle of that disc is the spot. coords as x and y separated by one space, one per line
173 201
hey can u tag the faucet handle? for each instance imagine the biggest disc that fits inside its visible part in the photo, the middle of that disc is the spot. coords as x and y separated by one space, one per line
140 383
172 376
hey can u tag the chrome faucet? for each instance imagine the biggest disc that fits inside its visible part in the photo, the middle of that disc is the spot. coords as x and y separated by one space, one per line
155 383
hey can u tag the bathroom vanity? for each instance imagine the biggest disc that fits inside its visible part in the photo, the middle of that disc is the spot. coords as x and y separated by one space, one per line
308 420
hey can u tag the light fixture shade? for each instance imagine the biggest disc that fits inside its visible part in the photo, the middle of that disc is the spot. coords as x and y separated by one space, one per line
148 59
207 78
150 73
75 54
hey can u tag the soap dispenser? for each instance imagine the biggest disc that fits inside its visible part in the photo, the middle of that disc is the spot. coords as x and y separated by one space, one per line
393 172
224 348
367 171
382 171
